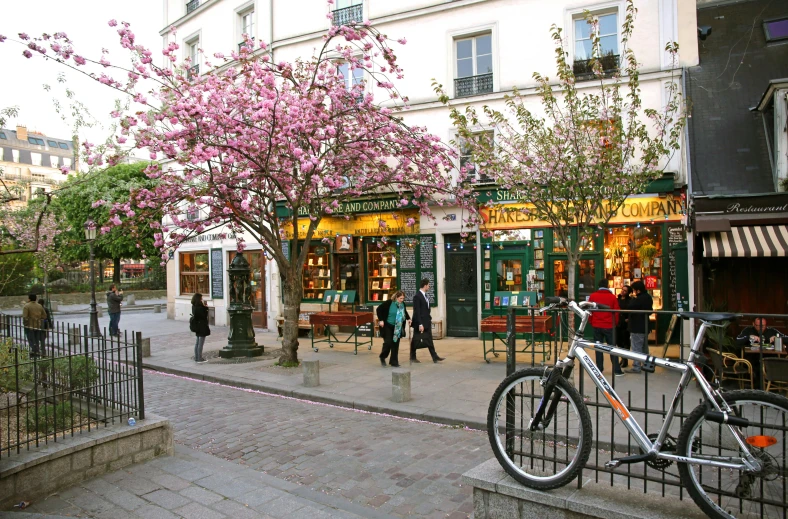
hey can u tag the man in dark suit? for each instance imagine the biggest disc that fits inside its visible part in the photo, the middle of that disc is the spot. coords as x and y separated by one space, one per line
422 323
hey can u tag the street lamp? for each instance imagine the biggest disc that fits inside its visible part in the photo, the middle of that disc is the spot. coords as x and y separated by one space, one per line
90 236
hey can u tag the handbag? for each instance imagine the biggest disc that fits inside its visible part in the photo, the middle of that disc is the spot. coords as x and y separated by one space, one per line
192 324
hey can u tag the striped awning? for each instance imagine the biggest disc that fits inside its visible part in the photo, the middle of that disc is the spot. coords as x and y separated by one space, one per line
761 241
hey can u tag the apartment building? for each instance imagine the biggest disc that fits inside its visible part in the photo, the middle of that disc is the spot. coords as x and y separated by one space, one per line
31 162
479 50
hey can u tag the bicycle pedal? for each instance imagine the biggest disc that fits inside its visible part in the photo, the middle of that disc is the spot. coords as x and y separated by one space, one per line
626 460
613 464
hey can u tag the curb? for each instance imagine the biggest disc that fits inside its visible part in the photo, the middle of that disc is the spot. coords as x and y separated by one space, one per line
309 394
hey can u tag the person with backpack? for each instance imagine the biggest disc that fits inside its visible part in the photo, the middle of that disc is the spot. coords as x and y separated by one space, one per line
46 325
199 325
638 322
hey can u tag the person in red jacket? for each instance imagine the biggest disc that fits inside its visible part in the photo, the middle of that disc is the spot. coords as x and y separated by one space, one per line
603 323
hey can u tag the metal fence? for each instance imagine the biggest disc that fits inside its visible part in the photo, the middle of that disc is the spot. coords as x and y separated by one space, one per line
649 406
71 384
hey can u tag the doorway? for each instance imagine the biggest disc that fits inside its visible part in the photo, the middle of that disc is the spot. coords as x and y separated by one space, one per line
461 286
256 259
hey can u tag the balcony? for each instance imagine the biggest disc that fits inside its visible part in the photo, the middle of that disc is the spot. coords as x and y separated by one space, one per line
28 178
583 69
249 46
191 6
473 85
348 15
193 71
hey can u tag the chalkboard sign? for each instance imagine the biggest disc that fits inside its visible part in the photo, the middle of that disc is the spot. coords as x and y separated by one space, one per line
407 258
415 264
676 235
427 252
217 274
368 329
286 249
409 283
431 292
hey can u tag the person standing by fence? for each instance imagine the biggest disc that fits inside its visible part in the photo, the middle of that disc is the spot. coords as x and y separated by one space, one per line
33 317
114 297
199 325
638 322
622 330
603 324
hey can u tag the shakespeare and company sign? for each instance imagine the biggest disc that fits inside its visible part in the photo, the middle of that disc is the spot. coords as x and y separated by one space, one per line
634 209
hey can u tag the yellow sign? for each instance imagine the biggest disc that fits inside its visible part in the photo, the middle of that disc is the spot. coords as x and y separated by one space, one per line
634 209
386 224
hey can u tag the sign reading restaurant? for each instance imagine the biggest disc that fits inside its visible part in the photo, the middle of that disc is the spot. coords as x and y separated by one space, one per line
634 209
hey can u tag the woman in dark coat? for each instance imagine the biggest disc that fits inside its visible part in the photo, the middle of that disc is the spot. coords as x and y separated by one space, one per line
622 332
392 316
200 325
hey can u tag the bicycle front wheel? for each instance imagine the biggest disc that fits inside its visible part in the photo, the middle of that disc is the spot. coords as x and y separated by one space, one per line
726 493
549 457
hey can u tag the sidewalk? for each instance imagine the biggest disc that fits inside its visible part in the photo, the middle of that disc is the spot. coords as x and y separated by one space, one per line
101 301
455 391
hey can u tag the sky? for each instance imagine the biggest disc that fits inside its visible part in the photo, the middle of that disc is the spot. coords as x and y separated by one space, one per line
85 22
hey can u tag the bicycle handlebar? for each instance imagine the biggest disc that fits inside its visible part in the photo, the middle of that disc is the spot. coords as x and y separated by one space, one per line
576 307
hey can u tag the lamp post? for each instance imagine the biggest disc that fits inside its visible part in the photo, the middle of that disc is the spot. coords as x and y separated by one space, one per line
90 236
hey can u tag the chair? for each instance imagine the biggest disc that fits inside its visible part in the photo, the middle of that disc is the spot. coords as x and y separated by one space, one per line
730 367
775 372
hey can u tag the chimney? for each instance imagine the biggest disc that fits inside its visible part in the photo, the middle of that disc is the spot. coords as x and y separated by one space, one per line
21 133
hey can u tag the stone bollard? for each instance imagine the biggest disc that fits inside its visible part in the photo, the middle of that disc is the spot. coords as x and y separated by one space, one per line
311 372
130 300
156 309
74 337
54 306
400 385
146 347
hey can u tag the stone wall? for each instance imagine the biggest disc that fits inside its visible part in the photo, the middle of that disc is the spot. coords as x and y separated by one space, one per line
62 464
83 299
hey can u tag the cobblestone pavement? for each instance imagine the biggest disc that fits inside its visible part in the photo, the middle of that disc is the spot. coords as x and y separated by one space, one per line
334 462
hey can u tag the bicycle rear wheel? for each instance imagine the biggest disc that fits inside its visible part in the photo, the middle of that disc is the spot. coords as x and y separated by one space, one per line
725 493
545 458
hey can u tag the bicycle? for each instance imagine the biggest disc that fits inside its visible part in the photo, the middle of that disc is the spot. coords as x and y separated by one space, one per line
731 449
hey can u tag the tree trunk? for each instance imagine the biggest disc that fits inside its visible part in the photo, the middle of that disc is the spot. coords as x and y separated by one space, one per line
571 267
116 270
291 293
101 270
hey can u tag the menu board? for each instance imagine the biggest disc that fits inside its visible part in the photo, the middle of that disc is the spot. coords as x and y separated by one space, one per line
674 298
407 258
367 329
415 264
217 274
676 235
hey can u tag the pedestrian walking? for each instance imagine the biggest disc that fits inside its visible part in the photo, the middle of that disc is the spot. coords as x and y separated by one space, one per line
33 317
603 324
46 325
114 298
199 325
638 322
392 316
622 330
422 324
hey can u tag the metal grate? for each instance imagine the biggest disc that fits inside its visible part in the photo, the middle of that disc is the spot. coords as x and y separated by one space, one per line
191 6
348 15
473 85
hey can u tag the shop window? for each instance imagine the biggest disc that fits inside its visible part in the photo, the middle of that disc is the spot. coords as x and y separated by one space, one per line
633 253
382 273
346 262
194 273
558 243
317 272
509 275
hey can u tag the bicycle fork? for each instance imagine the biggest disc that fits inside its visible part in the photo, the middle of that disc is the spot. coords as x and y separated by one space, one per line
549 403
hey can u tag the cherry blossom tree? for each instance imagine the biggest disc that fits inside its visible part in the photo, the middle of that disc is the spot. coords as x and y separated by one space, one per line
248 135
578 161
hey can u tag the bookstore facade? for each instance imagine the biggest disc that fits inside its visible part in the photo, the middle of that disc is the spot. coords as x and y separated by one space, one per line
524 261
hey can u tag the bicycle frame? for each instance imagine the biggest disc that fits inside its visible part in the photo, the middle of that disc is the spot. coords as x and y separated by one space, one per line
688 370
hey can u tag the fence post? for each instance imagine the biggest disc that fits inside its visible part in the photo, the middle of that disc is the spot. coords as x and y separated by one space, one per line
511 337
140 387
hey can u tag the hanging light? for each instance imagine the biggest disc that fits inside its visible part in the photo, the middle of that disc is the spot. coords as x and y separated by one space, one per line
488 246
638 225
448 245
462 246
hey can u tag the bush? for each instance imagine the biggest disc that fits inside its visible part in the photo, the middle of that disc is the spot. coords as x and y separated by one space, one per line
83 371
45 419
9 368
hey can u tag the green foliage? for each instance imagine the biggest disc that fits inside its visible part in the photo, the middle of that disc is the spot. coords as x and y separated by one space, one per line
719 334
646 252
13 366
784 184
71 373
16 273
75 205
46 419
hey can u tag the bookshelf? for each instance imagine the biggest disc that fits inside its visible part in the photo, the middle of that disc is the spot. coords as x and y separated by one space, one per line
537 282
316 276
382 272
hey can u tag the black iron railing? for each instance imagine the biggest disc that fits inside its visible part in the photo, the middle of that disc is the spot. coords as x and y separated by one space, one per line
191 6
193 71
584 68
348 15
249 45
59 382
648 403
473 85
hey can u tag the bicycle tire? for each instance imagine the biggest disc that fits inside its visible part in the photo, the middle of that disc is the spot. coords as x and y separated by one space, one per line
569 434
729 486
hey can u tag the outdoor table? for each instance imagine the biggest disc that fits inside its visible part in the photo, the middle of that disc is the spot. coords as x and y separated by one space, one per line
328 319
526 327
750 351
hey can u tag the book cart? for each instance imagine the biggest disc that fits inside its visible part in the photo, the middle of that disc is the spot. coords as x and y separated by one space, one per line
338 318
534 329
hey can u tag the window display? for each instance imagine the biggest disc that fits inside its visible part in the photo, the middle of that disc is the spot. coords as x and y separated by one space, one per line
347 272
635 253
382 274
509 275
194 273
317 272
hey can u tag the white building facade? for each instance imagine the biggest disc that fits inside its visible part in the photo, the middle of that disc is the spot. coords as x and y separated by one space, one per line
479 50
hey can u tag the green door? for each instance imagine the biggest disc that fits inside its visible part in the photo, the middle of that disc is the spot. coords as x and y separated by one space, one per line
461 298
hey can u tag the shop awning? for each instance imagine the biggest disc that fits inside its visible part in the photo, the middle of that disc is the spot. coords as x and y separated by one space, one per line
747 242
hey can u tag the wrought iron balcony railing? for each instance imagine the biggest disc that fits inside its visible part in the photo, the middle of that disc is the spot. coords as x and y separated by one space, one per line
191 6
354 13
473 85
193 72
584 68
249 46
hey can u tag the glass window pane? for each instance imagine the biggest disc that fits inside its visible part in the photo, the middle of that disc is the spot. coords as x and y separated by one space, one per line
63 146
484 64
484 44
341 4
583 50
608 24
509 275
586 282
358 76
464 49
777 29
465 67
609 45
582 29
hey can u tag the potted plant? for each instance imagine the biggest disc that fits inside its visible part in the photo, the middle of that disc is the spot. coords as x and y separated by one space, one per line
646 252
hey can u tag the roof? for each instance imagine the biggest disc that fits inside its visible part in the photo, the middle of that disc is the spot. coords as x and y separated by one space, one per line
53 145
728 143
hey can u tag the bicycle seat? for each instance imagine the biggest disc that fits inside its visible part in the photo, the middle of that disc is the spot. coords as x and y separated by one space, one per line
709 316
